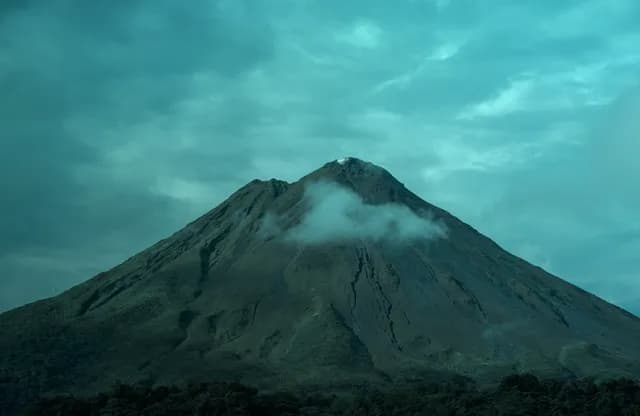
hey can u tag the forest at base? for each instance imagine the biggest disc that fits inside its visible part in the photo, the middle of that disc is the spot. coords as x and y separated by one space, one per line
521 394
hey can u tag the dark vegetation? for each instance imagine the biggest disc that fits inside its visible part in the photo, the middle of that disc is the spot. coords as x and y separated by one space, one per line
516 395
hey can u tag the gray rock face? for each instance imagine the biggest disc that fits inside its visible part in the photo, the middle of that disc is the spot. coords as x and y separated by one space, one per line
286 284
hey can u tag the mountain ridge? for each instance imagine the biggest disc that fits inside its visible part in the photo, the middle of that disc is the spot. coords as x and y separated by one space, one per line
342 275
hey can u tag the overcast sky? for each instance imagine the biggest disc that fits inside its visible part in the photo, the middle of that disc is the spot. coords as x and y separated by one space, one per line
121 121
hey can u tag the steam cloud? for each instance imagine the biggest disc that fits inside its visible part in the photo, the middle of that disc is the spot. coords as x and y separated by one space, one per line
338 214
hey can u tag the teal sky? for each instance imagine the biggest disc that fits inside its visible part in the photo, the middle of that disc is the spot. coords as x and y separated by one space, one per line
121 121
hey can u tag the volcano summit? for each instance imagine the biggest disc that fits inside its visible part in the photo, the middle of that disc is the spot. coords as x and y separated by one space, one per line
342 276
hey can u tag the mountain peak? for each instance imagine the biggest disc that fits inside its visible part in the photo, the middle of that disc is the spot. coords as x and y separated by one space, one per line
372 182
306 282
350 159
350 162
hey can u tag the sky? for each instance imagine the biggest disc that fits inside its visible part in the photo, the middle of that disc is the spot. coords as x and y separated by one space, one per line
122 121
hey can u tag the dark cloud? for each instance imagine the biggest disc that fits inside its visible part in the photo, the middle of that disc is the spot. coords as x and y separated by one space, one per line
123 120
573 209
99 66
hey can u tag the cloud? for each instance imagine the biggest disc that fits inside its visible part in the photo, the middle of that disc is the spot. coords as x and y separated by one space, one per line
90 96
572 205
124 120
456 157
269 226
506 101
405 79
338 214
363 34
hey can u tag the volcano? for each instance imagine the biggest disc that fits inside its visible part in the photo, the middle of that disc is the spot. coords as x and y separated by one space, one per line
341 277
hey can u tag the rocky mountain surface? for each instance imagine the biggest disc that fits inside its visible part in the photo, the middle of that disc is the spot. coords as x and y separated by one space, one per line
341 277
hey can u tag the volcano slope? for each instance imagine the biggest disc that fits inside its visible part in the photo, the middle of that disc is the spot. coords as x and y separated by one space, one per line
341 277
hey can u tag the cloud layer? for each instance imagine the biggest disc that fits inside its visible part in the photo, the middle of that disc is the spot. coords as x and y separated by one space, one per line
337 214
122 121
